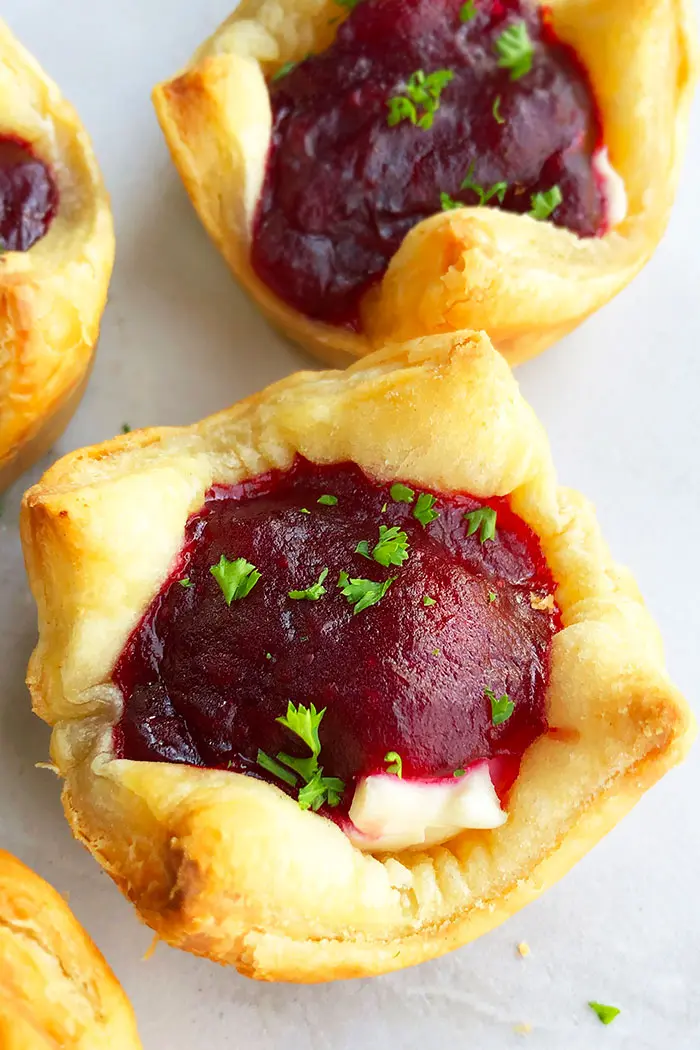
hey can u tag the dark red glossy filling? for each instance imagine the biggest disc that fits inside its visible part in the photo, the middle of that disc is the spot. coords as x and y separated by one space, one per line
343 188
28 196
203 682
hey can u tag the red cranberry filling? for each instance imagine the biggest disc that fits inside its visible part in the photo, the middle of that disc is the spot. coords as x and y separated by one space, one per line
28 196
343 188
204 682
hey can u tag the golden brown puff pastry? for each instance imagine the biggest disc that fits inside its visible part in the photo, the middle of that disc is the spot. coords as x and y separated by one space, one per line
526 283
56 990
228 866
54 278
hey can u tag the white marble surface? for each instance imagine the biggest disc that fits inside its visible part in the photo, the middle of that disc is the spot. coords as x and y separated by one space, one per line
619 399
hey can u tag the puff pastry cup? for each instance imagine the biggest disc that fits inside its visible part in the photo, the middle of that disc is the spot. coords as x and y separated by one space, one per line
53 294
56 990
229 867
525 283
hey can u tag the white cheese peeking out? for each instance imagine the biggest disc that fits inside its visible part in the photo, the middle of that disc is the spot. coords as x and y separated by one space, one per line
388 813
613 187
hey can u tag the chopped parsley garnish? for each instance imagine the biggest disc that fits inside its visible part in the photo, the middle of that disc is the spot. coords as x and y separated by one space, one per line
459 772
492 597
428 601
384 506
423 510
396 763
401 493
304 510
321 789
391 548
349 4
543 204
268 656
436 652
502 707
276 769
606 1014
496 110
515 50
498 189
312 593
424 92
235 578
362 593
284 70
126 429
448 203
328 501
185 582
483 520
305 767
467 11
304 723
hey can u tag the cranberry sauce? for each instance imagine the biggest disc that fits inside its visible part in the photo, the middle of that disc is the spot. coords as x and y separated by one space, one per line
204 682
28 196
343 188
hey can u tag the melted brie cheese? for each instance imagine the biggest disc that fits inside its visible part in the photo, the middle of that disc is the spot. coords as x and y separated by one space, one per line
388 813
613 187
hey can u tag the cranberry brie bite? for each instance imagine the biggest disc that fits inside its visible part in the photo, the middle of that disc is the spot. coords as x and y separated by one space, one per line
339 678
56 255
386 169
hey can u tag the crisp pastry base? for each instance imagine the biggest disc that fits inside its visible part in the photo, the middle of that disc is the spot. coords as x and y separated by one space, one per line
526 283
56 990
228 866
52 296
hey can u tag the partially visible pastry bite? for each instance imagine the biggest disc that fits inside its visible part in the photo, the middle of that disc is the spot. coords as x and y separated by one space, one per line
340 678
56 255
56 990
387 169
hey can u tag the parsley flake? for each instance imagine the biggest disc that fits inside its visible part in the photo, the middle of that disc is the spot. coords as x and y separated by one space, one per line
401 493
423 510
515 50
606 1014
459 772
436 652
268 656
321 789
349 4
422 91
491 597
496 110
362 593
467 11
284 70
391 548
428 601
384 506
185 582
312 593
483 520
502 707
543 204
304 510
396 763
498 189
328 501
126 429
235 578
304 723
276 769
448 203
305 767
317 789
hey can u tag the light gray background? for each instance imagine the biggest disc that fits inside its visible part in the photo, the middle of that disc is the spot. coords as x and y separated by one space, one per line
619 399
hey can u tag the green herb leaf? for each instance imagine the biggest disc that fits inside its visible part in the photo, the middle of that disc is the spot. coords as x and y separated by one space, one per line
304 510
436 652
543 204
401 493
606 1014
304 723
321 789
467 11
447 203
185 582
483 519
428 601
235 578
392 546
305 767
459 772
284 70
328 501
515 50
492 597
276 769
423 510
268 656
396 763
423 92
126 429
384 506
502 707
362 593
498 189
496 110
400 108
312 593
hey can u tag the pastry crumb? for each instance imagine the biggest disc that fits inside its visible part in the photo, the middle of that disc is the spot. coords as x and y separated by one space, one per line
148 954
523 1028
541 603
524 949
